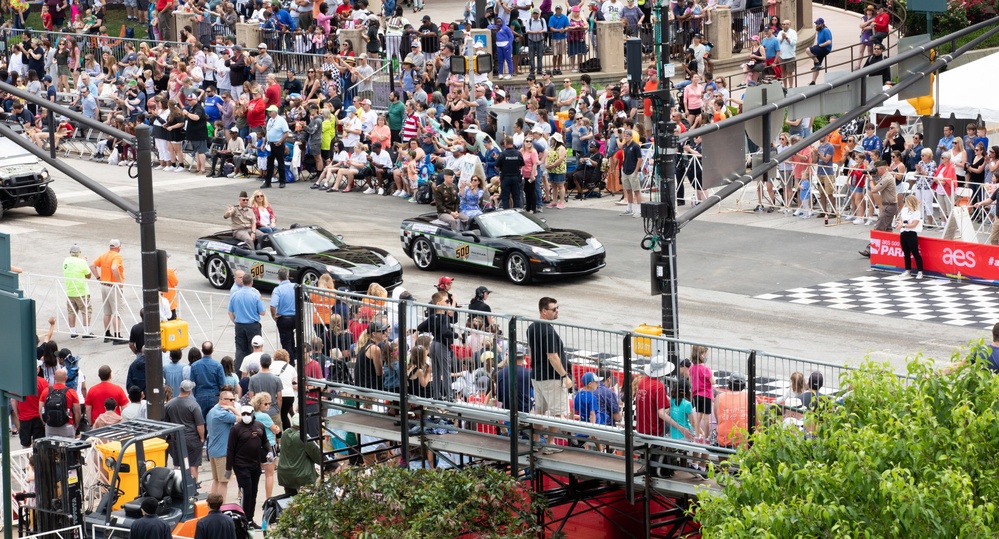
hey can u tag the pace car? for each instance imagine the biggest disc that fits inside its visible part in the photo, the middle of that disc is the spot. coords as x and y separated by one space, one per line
307 251
512 241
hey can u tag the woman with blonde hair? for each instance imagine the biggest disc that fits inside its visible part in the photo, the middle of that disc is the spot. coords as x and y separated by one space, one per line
322 308
958 157
910 224
261 403
266 220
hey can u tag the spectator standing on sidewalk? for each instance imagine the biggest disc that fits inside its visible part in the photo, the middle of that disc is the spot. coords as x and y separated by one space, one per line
558 23
219 422
821 48
215 525
59 407
283 312
889 208
245 310
105 389
111 272
207 374
184 410
247 449
550 368
536 29
297 467
788 39
75 271
631 175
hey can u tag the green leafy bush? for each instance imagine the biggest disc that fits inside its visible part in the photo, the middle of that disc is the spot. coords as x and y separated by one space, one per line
383 502
915 458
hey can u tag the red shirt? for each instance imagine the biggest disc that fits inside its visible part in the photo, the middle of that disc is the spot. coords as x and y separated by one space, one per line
313 370
256 113
102 392
273 95
649 87
28 409
650 397
881 22
71 399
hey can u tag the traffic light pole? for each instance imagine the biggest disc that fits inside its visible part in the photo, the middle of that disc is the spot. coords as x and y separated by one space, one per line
659 214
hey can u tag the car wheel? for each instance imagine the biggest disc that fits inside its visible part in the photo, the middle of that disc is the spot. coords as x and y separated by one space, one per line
518 268
309 278
424 255
47 204
218 272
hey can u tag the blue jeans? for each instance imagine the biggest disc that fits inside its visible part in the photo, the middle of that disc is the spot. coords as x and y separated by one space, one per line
535 50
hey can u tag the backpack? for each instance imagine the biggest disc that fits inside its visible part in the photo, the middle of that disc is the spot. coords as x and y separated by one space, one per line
56 410
425 193
339 372
590 66
72 364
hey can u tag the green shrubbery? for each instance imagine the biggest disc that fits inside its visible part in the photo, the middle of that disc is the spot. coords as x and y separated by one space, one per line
916 458
389 502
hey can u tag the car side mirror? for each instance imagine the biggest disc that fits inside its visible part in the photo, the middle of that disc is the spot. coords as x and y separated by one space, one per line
339 237
268 252
470 234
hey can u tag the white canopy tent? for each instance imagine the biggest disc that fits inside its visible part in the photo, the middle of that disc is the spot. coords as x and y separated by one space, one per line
961 93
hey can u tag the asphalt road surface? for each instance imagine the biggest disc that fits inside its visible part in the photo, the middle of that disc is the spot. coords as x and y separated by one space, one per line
725 258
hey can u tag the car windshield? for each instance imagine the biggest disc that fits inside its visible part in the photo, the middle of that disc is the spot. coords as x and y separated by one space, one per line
509 223
302 241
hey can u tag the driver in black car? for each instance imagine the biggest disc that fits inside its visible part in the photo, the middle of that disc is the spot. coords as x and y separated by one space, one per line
446 201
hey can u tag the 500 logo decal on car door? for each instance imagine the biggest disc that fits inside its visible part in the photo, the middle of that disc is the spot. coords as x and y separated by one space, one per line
462 251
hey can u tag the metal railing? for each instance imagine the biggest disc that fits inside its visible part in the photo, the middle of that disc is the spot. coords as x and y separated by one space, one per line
205 312
469 409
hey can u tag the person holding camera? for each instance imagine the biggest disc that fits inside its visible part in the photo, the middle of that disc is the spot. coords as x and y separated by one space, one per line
885 186
910 225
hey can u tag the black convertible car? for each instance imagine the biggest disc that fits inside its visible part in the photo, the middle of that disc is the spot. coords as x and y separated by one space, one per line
516 243
308 252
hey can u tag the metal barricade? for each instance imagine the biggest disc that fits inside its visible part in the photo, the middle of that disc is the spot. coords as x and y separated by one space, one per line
205 312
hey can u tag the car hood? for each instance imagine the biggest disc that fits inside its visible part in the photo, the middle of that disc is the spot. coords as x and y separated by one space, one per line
566 243
19 166
356 259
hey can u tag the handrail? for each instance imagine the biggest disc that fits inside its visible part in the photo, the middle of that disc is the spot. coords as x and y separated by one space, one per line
742 180
808 93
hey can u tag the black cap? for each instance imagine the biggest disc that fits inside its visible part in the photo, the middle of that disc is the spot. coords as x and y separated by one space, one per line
150 505
482 290
531 77
379 327
426 18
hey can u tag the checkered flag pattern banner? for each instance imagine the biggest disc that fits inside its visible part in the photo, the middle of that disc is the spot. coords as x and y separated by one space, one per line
932 300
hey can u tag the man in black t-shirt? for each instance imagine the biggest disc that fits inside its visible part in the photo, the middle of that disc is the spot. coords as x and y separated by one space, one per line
197 131
429 37
549 368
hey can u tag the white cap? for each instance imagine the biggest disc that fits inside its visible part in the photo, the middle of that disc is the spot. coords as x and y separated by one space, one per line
187 386
257 341
115 243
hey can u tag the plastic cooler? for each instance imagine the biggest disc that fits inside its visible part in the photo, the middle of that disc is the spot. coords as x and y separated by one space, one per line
643 347
156 455
174 335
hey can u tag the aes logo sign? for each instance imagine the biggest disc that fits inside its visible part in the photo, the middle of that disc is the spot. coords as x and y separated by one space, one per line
958 257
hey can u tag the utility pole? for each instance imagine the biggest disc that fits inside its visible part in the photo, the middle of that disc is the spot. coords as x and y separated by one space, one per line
659 214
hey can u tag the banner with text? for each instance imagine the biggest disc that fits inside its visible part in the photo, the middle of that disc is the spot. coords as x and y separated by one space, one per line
954 259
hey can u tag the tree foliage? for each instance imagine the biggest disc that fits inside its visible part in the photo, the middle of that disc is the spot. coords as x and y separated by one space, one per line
897 458
382 502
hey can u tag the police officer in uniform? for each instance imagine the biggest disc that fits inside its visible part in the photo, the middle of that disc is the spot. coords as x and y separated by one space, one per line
509 163
446 200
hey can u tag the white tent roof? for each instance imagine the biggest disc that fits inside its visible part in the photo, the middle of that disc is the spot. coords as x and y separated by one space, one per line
957 95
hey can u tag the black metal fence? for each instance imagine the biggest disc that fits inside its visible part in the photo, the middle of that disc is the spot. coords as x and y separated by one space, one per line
454 371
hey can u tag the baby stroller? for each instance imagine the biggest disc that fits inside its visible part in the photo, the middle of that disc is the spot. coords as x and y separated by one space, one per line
235 512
